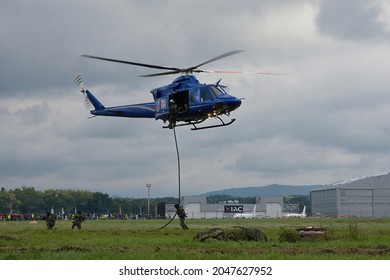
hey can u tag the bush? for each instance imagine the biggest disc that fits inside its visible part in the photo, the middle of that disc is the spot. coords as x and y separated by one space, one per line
246 234
234 234
288 235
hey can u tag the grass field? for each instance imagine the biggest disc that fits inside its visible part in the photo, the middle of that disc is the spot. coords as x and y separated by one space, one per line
347 239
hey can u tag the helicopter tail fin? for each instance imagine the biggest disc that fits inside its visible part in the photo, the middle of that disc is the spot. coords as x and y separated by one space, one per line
90 99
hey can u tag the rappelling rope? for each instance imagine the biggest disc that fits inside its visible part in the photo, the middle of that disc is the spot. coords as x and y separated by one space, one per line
178 175
178 164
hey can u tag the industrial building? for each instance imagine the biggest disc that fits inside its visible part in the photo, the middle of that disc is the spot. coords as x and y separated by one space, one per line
359 197
197 207
367 196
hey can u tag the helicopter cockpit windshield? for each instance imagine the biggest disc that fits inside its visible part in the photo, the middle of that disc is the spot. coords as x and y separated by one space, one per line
217 90
209 92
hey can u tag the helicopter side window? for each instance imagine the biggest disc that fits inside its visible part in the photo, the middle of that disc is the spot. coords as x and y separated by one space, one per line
206 94
163 104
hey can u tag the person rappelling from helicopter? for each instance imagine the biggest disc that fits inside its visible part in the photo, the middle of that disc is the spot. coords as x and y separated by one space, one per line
173 112
182 216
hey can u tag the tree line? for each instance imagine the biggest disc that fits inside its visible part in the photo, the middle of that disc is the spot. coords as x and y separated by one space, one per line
29 200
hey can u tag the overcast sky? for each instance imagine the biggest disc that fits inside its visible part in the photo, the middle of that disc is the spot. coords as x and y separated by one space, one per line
327 120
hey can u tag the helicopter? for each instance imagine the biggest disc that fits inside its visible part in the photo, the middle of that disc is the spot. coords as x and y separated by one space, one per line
184 102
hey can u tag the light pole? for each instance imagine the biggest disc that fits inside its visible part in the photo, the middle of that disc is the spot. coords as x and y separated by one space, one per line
148 186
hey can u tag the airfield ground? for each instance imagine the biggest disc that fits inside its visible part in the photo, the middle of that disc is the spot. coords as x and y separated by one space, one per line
346 238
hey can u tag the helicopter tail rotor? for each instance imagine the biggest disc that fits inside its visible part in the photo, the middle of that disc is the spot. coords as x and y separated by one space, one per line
80 83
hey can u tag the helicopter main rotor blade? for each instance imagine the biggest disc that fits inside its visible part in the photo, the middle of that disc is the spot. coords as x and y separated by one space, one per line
175 70
236 72
133 63
218 57
161 74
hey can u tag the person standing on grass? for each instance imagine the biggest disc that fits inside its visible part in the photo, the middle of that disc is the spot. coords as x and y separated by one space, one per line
50 220
78 219
182 215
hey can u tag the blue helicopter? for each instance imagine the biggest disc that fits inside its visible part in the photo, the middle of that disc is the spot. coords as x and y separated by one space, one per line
183 102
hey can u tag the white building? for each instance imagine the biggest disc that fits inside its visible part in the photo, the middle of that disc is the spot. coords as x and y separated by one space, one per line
197 207
360 197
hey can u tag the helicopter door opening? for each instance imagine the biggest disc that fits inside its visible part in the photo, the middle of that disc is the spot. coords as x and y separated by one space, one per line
178 102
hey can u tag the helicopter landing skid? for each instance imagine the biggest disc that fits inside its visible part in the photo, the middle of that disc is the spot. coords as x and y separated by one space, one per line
212 126
172 125
194 123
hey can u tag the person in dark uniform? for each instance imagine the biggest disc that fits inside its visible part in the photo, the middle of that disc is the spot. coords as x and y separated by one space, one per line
50 220
182 215
78 219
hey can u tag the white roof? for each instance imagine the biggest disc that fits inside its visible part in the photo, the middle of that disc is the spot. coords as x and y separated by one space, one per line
357 179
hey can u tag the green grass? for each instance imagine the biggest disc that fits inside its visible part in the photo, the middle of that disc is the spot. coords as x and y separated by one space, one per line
367 239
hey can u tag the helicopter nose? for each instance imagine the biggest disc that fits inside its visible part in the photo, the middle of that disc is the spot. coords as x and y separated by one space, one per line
234 103
228 103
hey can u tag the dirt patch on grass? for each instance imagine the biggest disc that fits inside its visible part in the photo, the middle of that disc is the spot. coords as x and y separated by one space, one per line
296 252
328 251
71 248
6 238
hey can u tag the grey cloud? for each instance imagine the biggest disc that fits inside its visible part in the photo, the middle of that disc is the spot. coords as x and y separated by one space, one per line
351 19
321 123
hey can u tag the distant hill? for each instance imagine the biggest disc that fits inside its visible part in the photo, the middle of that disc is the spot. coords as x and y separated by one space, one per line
270 190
